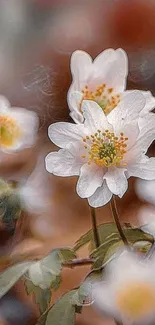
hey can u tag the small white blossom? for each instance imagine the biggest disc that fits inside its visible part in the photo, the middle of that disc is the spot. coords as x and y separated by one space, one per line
127 291
102 80
18 127
104 151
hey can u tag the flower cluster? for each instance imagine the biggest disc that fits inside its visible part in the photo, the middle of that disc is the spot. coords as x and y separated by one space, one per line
113 129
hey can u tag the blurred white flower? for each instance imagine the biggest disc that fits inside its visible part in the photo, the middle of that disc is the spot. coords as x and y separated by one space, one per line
34 193
127 292
104 151
145 190
18 127
102 80
146 216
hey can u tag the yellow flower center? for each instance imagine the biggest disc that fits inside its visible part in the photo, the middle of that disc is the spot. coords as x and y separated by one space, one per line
136 300
9 131
102 95
105 149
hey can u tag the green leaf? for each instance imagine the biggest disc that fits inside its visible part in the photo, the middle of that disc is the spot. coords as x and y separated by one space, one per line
112 250
42 319
46 272
108 230
42 296
136 234
55 284
63 312
39 276
66 254
105 251
102 249
104 231
52 262
10 276
83 240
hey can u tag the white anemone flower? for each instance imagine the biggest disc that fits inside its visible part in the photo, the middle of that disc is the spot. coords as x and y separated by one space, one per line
102 80
104 151
127 291
18 127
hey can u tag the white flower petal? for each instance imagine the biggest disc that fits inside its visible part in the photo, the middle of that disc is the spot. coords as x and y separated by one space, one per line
147 132
131 131
62 133
101 196
101 60
144 168
62 163
77 117
122 61
116 180
94 117
150 103
127 110
28 122
81 64
112 71
145 190
117 73
101 65
104 299
74 100
91 177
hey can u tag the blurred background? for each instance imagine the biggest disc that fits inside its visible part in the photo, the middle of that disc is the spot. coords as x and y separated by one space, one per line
37 38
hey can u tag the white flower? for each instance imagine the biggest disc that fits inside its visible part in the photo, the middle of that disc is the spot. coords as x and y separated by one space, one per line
146 216
145 190
34 193
102 80
104 151
18 127
127 292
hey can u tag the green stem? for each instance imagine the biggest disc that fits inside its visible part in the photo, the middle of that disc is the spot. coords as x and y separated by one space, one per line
94 227
116 219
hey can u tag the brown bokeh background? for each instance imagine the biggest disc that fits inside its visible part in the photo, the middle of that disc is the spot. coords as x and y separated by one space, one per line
35 74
